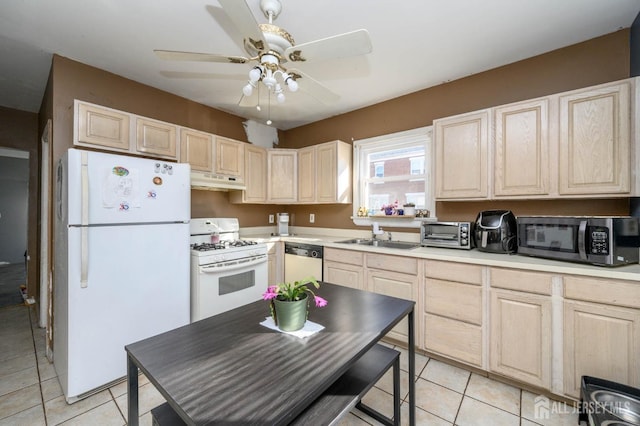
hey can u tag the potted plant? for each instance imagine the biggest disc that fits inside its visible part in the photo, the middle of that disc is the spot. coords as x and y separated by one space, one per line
409 209
288 302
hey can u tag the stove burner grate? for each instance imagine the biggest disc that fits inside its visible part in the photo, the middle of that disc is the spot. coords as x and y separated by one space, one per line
221 245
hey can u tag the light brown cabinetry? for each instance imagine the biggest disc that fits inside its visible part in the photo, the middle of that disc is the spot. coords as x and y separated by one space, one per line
461 156
100 127
521 149
393 276
282 176
307 175
344 267
576 143
324 173
601 340
112 130
196 148
255 166
595 140
229 157
156 138
453 311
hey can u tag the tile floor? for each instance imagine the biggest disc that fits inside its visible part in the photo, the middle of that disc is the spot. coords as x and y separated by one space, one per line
31 395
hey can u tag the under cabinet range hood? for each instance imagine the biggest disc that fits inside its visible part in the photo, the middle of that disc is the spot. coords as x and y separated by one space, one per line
215 182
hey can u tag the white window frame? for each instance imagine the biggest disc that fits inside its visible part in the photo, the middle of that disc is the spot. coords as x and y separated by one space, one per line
361 168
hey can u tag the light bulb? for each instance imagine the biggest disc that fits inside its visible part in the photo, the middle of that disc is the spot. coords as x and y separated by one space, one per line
269 122
280 97
258 108
255 74
292 84
247 89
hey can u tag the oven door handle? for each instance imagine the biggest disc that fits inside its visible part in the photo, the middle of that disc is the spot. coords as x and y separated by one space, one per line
234 264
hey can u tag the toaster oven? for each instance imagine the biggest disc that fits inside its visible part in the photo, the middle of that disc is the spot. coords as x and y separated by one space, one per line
456 235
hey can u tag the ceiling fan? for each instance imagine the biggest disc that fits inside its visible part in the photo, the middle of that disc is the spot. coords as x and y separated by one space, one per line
272 47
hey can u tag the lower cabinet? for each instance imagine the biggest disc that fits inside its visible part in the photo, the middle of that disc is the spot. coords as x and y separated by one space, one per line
390 283
601 341
521 325
453 311
521 336
275 257
343 267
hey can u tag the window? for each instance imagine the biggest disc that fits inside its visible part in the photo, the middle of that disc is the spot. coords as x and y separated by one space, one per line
392 167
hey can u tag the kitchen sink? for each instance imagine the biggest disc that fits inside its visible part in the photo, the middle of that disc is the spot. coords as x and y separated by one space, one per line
380 243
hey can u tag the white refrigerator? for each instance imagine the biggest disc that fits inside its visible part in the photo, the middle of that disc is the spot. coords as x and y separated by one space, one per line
121 262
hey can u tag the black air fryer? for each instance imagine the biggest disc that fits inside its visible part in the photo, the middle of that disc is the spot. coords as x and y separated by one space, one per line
495 231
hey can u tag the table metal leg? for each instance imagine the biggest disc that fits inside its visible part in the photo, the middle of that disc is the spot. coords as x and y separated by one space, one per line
132 392
412 371
396 392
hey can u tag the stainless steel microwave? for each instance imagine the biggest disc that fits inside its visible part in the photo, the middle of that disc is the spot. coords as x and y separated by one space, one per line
447 234
605 241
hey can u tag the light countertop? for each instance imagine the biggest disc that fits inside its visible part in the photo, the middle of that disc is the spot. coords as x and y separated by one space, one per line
331 237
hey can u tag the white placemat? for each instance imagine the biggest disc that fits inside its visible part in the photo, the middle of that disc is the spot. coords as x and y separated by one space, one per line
309 328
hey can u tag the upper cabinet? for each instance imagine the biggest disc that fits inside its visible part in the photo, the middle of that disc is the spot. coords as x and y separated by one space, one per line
255 165
196 148
156 138
100 127
324 173
333 170
229 157
573 144
112 130
282 176
595 140
521 149
461 145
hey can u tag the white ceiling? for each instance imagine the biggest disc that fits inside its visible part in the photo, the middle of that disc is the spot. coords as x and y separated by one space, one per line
416 44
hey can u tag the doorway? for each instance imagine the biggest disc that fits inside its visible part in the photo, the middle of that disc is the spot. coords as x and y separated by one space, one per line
14 205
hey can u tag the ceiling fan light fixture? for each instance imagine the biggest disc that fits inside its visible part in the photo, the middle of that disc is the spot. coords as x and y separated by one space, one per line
247 90
291 83
255 74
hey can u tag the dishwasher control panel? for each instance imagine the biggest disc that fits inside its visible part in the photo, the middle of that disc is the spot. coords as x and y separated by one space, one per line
305 250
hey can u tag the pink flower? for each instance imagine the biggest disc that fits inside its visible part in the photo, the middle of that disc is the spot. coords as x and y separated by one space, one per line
320 302
271 293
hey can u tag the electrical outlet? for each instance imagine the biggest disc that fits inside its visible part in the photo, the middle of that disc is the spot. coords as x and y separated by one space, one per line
271 219
312 218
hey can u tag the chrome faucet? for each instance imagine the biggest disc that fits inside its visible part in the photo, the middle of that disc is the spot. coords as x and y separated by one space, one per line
376 230
389 235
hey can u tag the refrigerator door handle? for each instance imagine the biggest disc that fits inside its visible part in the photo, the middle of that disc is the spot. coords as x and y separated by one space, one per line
84 233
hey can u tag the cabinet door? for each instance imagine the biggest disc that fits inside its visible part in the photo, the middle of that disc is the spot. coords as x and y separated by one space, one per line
461 159
521 149
229 157
394 284
256 174
156 138
282 176
458 340
102 127
600 341
307 175
521 336
344 274
196 148
595 140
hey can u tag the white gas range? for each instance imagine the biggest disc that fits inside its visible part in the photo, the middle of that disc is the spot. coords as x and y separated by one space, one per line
226 271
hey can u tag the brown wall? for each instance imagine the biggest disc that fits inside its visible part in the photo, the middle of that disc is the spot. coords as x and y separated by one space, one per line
595 61
19 130
592 62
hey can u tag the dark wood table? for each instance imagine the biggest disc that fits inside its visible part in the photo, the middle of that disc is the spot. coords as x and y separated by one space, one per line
229 369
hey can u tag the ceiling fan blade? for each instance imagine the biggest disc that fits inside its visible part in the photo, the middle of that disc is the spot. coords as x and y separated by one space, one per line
173 55
340 46
313 87
241 16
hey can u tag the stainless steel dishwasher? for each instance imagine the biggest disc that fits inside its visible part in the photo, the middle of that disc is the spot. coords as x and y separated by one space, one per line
301 261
